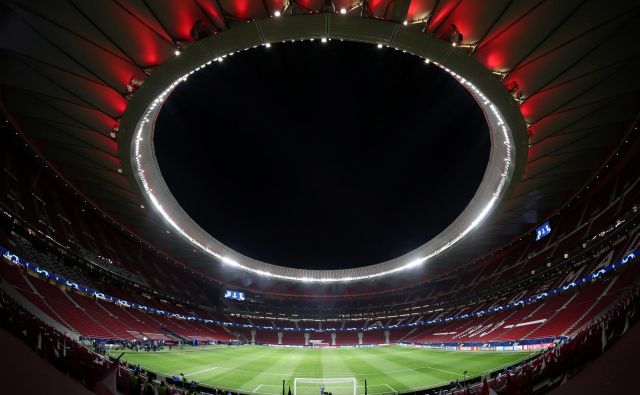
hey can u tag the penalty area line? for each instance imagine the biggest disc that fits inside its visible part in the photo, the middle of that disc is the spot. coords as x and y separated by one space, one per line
390 387
257 388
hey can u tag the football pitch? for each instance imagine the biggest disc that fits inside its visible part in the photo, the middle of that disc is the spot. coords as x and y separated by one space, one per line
261 369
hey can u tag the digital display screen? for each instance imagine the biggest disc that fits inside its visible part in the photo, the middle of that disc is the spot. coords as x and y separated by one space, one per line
543 230
231 294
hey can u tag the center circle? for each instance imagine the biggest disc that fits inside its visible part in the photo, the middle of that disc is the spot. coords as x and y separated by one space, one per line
322 156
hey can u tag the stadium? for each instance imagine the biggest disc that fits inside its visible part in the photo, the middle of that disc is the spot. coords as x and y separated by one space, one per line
314 196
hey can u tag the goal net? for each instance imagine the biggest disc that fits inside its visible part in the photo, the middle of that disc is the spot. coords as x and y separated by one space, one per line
321 386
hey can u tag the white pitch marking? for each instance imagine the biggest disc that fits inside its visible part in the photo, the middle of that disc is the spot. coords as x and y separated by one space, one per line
390 387
202 371
257 388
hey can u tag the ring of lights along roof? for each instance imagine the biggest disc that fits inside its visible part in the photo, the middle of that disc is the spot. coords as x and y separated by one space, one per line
502 115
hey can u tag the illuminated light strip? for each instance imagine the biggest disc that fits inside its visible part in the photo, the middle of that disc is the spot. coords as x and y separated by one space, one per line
145 127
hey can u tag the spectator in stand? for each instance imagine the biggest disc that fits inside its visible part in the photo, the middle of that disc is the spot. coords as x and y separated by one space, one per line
134 389
148 388
162 389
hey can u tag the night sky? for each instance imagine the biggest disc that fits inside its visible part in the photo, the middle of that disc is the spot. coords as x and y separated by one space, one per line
322 156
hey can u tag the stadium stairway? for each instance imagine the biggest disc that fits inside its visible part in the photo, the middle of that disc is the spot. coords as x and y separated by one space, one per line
113 322
172 334
569 312
519 324
101 319
222 333
590 308
608 298
240 335
39 300
548 311
23 301
407 335
127 315
133 327
146 327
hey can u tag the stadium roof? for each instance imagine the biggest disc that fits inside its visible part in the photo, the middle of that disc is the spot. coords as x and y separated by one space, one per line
67 70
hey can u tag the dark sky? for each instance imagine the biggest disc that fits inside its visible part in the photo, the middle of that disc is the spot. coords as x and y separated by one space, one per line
322 156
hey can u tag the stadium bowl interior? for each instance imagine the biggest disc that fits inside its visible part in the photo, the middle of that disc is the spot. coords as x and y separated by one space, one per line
110 281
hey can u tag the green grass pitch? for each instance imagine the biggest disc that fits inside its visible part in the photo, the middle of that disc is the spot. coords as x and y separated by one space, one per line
261 369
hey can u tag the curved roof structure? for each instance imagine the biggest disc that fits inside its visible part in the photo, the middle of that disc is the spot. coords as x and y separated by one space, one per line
72 73
501 113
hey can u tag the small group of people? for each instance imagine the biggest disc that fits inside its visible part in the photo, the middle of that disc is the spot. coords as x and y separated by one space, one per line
139 385
101 349
179 344
144 345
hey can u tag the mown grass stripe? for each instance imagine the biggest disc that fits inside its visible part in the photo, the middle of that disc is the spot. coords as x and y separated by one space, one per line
262 368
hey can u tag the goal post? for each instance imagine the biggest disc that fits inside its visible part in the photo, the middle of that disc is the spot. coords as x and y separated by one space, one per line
320 386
